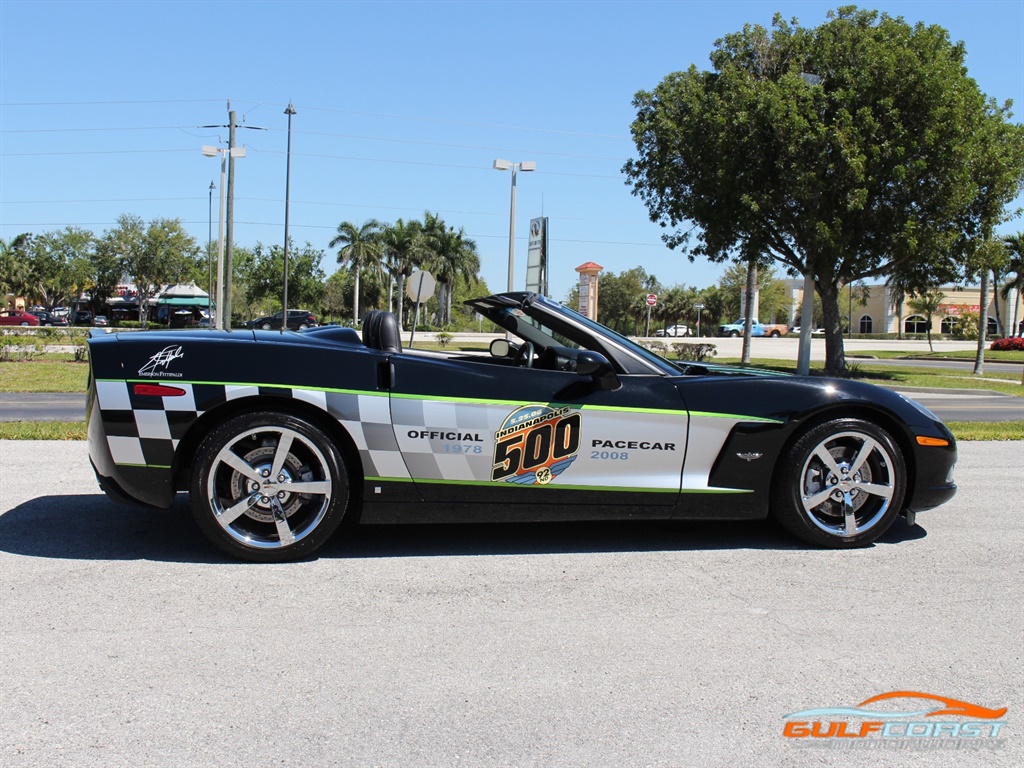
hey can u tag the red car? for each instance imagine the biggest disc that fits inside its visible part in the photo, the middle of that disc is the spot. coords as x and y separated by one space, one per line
16 317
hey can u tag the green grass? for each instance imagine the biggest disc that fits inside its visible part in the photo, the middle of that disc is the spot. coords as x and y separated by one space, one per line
42 430
940 378
986 430
999 356
44 376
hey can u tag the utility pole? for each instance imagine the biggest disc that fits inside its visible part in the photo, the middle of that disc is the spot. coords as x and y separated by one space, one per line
229 245
287 190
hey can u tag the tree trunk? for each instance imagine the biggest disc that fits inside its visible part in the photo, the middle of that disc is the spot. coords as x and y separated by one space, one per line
979 359
995 303
835 353
748 321
401 303
355 299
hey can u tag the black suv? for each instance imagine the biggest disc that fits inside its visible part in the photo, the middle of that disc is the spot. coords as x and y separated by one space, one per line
298 319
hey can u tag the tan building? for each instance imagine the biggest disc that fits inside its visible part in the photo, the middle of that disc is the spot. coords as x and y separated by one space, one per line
878 315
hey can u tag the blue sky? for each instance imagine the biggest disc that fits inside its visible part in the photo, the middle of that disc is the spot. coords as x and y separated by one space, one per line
402 107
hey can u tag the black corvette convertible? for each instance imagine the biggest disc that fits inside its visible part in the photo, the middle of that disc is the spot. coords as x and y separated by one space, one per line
278 436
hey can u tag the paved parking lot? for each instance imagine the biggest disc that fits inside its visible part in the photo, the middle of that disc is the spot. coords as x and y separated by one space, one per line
126 641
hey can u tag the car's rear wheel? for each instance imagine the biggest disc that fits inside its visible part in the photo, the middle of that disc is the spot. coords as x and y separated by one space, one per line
268 487
735 334
265 327
840 485
775 334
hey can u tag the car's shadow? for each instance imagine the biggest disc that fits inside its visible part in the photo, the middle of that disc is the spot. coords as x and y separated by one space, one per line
91 527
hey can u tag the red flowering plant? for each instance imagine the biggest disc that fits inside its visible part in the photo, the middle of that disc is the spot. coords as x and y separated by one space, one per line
1012 343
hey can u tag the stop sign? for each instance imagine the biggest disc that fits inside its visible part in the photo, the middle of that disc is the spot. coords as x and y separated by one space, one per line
652 299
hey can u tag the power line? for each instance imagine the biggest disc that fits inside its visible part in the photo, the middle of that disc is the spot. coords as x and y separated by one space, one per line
333 110
326 134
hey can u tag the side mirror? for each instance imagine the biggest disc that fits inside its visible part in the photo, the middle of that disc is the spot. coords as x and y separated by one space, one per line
596 366
500 348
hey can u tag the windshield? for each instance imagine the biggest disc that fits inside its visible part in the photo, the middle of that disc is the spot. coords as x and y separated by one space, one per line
603 331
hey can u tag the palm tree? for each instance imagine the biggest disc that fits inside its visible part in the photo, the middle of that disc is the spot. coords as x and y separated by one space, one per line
927 304
403 247
360 249
455 256
1014 267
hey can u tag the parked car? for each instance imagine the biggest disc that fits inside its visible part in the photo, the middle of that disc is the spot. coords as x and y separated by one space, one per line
83 317
674 330
298 320
814 331
279 437
756 329
48 318
17 317
99 321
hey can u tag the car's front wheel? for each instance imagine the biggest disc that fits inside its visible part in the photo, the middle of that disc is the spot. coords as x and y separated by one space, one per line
268 487
840 485
265 327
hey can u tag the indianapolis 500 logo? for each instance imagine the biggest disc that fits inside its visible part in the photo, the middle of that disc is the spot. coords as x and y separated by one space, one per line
535 444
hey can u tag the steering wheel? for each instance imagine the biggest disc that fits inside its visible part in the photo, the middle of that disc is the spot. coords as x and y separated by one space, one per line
525 354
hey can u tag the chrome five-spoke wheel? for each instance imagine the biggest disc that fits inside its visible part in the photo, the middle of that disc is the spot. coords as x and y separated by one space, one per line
841 484
268 487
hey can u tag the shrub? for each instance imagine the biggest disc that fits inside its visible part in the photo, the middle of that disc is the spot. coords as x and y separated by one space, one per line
19 349
443 339
694 353
1010 343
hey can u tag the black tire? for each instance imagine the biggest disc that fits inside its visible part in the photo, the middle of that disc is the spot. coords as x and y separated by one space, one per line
240 508
265 327
303 326
775 334
735 334
841 485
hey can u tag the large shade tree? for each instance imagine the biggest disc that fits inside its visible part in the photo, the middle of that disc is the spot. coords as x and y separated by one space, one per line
844 152
152 255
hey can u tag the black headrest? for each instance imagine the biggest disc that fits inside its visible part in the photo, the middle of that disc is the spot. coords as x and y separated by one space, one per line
369 328
380 331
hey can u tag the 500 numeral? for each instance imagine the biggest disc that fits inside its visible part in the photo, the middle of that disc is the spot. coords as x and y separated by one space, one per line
536 447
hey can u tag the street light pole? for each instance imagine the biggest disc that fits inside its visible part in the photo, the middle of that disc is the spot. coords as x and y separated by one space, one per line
229 249
287 198
525 166
209 260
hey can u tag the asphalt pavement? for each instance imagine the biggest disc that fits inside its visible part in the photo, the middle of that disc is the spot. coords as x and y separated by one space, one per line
127 641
